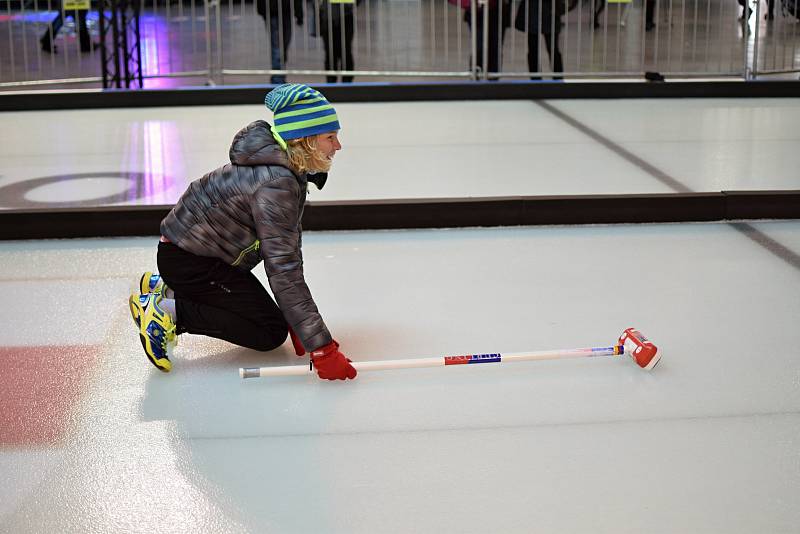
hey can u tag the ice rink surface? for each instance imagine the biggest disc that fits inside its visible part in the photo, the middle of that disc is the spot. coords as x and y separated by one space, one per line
94 439
416 149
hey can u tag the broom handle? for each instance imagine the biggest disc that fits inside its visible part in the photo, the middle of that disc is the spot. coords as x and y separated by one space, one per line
380 365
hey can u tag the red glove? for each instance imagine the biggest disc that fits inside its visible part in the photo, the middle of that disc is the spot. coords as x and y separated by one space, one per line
296 343
332 364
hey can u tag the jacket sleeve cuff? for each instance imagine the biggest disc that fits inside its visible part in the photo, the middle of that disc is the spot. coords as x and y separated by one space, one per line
316 341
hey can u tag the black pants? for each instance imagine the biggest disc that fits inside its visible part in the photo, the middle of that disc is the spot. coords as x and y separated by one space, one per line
496 37
770 8
280 37
215 299
649 14
600 6
548 25
342 27
551 44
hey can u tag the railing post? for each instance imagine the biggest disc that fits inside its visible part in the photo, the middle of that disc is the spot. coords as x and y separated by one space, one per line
218 18
745 37
754 72
209 53
485 43
473 53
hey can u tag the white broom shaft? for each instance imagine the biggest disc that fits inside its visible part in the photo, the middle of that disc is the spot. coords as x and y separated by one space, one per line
380 365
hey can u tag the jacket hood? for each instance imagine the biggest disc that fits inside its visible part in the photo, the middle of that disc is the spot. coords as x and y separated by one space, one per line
254 145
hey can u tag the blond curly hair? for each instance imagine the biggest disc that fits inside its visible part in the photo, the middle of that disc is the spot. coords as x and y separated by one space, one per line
304 156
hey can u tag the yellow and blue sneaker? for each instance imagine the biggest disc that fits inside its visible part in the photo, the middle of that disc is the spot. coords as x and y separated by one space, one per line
156 329
151 282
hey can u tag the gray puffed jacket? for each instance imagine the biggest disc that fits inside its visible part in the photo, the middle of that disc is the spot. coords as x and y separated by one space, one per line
247 211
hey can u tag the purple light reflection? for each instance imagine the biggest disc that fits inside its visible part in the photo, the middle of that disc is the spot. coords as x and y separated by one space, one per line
153 158
163 159
154 149
156 54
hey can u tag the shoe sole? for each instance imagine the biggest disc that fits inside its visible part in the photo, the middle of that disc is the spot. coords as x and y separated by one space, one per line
166 368
135 310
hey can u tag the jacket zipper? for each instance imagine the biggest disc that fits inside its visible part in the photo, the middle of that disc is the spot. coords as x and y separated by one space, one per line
256 244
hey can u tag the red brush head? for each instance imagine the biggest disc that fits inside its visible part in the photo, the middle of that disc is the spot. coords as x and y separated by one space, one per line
644 353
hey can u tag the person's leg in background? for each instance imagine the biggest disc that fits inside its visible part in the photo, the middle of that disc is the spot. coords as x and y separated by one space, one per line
743 5
83 31
649 15
329 39
84 39
533 51
336 46
311 18
600 6
496 37
554 51
278 46
52 31
286 21
477 27
349 33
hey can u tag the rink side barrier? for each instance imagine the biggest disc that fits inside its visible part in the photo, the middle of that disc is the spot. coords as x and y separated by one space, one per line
116 221
397 92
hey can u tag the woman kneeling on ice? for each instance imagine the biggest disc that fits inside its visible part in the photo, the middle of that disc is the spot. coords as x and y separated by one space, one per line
230 220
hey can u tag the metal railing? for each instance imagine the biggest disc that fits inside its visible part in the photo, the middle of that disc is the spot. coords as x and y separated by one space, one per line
193 42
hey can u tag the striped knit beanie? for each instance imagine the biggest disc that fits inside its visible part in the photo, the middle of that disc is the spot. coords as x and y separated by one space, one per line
300 111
